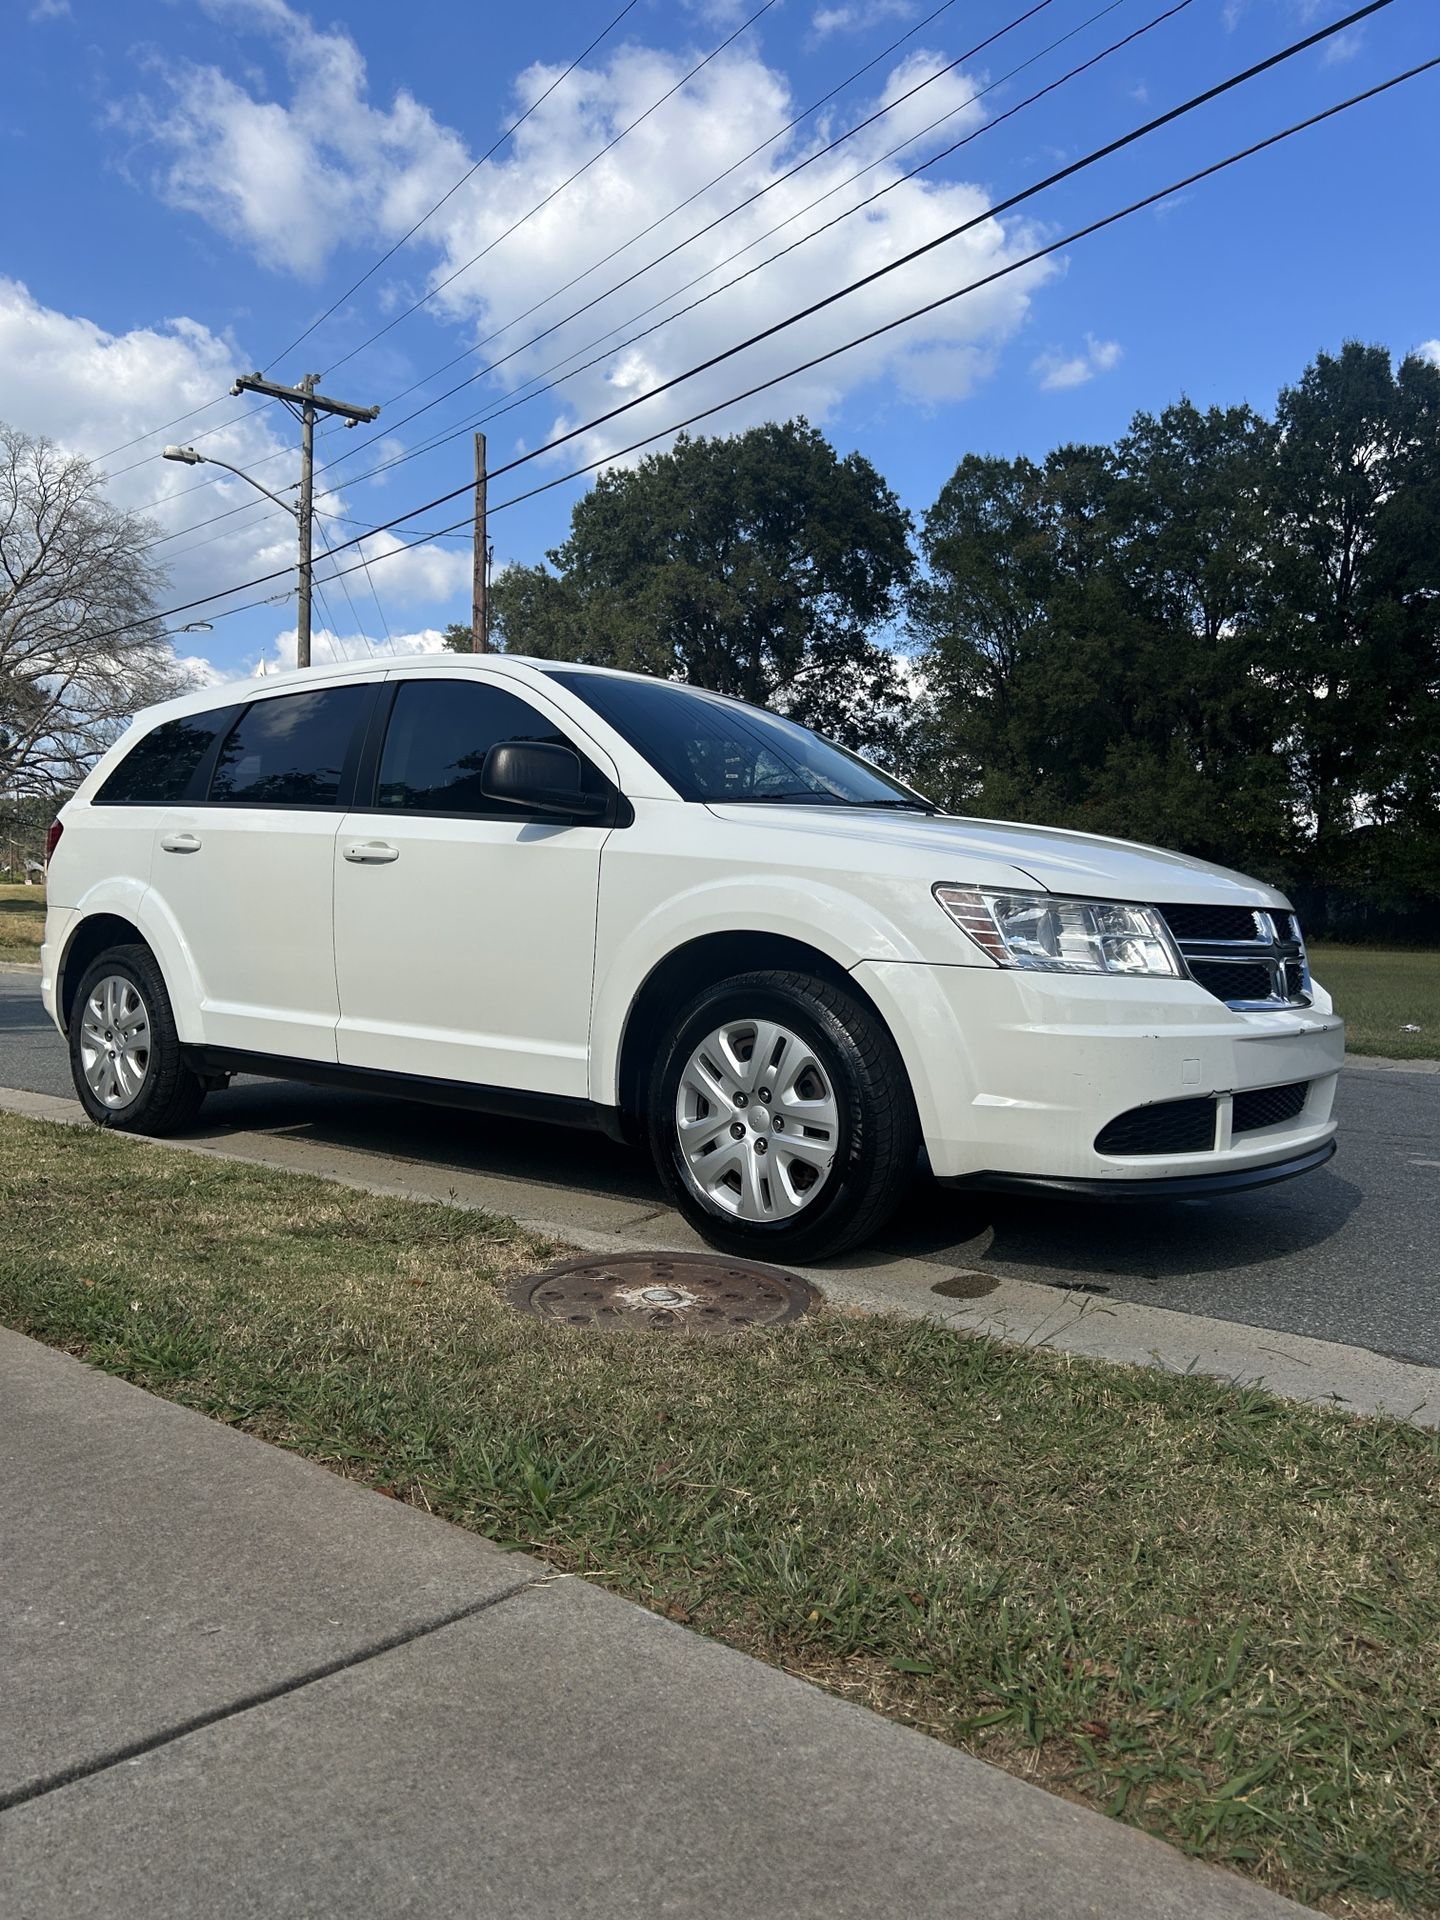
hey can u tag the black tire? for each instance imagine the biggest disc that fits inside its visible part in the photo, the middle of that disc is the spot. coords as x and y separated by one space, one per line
170 1094
879 1133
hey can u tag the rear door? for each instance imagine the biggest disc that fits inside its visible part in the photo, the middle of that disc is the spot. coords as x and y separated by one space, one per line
465 933
245 873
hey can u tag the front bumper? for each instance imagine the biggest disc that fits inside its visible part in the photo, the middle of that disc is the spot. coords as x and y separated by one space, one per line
1015 1074
1171 1186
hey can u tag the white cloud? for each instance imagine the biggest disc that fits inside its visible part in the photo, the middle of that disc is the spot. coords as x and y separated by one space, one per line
364 172
425 574
327 647
1429 350
850 19
296 179
50 10
1057 371
1343 47
89 390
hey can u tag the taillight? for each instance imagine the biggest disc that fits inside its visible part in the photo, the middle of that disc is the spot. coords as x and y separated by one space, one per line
52 839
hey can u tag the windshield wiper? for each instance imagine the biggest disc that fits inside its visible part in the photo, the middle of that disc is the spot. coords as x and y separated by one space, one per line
911 806
818 800
779 800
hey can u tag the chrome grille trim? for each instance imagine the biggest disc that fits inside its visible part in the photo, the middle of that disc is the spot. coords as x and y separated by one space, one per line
1273 955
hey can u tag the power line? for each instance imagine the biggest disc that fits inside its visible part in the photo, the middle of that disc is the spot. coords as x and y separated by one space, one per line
515 225
1014 266
999 273
1111 147
595 266
699 233
331 623
609 147
430 212
547 385
939 240
370 580
489 154
680 205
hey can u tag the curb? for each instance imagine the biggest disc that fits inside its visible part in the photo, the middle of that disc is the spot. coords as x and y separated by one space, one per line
1022 1312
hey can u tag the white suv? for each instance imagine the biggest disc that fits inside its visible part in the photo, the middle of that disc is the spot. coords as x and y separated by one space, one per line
555 890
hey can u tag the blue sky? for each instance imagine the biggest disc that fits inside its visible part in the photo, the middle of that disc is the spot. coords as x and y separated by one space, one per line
204 177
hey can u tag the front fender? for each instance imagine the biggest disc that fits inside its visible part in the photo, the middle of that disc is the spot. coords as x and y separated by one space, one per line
819 915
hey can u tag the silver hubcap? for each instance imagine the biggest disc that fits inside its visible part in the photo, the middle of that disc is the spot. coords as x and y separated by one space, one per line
757 1120
115 1041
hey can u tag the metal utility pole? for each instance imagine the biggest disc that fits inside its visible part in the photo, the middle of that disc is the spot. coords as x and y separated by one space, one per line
479 589
305 403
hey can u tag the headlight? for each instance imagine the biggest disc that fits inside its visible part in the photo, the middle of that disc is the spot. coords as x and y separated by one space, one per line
1039 932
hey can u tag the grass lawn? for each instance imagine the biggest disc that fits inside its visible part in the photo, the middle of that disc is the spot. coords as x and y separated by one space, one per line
1207 1612
1381 991
22 922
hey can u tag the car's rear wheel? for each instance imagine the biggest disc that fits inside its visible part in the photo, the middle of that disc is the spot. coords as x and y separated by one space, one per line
780 1117
125 1056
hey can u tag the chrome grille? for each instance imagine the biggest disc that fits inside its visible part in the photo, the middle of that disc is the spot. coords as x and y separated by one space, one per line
1247 957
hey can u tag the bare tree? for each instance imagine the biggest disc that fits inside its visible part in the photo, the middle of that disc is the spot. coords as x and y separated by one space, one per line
80 647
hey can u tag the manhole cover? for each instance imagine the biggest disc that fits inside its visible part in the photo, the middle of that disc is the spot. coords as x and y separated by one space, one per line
675 1292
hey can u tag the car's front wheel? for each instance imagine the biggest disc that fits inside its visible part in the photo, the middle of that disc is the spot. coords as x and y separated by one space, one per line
780 1117
125 1056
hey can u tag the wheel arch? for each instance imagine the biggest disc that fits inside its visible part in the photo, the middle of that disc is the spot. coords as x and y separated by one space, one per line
94 935
702 962
128 916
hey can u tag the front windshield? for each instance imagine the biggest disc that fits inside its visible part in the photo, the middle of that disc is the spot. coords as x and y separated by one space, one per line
715 749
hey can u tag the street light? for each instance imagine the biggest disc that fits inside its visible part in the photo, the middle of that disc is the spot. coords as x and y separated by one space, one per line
302 516
188 457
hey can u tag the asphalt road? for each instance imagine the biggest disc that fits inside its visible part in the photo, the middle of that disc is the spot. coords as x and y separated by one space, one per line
1351 1253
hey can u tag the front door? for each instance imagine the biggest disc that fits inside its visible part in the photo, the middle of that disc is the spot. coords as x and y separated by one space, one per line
465 936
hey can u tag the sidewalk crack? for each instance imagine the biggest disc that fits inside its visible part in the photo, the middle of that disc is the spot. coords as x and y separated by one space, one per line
117 1756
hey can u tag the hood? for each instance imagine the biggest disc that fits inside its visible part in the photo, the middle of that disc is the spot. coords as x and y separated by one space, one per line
971 852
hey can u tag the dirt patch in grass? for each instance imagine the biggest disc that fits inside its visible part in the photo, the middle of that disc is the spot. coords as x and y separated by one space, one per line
1210 1613
1382 992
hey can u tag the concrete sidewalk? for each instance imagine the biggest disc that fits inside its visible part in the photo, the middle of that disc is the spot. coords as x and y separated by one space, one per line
231 1682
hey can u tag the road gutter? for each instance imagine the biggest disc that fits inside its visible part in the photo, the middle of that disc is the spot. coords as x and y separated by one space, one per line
970 1300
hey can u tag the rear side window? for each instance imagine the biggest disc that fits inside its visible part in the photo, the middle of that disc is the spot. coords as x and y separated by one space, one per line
158 770
439 734
291 751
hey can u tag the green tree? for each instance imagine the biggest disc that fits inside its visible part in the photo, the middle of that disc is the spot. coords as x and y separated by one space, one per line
761 565
1354 614
1220 634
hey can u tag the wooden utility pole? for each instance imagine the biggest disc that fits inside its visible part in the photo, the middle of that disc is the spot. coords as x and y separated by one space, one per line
305 403
479 595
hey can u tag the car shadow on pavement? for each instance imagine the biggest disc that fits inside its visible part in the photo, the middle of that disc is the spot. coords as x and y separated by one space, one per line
1055 1240
1044 1238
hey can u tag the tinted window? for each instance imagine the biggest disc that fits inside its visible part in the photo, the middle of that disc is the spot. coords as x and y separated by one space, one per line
439 734
290 751
712 748
158 769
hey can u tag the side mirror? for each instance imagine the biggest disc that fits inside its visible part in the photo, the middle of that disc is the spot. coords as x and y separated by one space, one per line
540 777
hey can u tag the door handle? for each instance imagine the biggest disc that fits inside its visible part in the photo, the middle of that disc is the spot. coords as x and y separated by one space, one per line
180 842
372 853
